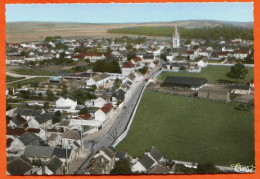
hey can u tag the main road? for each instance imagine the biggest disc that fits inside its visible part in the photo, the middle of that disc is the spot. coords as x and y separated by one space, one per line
119 125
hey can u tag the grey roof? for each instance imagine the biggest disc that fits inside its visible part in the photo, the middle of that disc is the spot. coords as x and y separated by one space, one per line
30 112
121 155
38 151
187 81
109 152
54 164
25 159
98 165
158 169
44 117
119 95
65 123
18 167
131 76
61 152
30 138
156 154
53 137
71 134
146 161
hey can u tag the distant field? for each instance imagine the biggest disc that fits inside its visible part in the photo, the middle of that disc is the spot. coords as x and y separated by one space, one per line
37 31
190 129
11 78
26 82
24 71
211 73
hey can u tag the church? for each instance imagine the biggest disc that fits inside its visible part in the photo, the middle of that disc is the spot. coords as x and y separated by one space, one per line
176 39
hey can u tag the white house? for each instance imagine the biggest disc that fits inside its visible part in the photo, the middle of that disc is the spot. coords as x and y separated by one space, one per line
41 121
67 105
98 80
127 68
144 164
241 54
104 114
151 65
99 102
202 64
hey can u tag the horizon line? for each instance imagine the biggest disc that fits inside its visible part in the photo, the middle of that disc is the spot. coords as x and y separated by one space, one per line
133 22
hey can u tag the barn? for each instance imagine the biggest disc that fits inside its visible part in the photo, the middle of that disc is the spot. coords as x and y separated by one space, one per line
180 82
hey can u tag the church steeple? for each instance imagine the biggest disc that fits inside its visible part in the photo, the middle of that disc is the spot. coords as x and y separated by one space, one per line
176 39
176 33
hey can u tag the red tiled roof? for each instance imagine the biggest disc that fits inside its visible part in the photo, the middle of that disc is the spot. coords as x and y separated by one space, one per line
15 131
20 130
222 53
19 117
136 59
33 130
190 52
93 54
241 51
81 55
128 65
107 108
86 116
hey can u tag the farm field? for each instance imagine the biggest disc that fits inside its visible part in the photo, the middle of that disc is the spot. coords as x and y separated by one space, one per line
190 129
213 74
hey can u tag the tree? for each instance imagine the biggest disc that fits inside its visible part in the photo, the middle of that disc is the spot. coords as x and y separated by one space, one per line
117 83
50 95
10 91
25 94
40 95
163 57
35 84
122 167
143 70
238 71
57 117
64 92
83 111
45 105
93 88
188 58
81 95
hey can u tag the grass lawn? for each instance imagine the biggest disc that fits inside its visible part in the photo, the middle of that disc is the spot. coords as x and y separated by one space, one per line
11 78
192 129
211 73
24 71
26 82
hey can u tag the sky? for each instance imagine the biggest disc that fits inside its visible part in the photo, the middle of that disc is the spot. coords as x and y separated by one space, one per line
124 13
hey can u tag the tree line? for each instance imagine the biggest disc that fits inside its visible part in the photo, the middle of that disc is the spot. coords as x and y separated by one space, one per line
104 66
215 33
